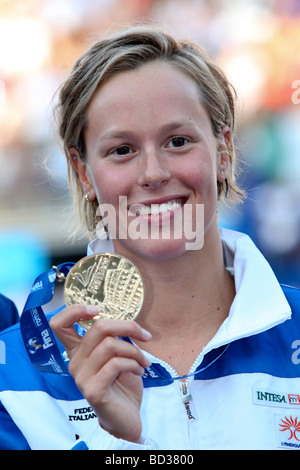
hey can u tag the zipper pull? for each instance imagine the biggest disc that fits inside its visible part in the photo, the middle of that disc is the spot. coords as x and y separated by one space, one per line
187 400
184 389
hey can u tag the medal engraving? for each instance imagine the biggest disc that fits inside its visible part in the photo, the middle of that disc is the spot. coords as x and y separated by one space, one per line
108 281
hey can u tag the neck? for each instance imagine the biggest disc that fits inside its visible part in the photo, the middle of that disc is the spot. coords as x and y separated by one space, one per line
188 294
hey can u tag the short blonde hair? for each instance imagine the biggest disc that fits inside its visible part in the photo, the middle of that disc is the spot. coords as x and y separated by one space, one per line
129 50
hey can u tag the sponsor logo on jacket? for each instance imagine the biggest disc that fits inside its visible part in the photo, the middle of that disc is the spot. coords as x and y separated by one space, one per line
268 398
288 431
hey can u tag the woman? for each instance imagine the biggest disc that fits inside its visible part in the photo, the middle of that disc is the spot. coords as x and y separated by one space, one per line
149 120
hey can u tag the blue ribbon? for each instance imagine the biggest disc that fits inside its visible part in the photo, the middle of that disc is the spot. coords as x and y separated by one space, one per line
41 345
37 335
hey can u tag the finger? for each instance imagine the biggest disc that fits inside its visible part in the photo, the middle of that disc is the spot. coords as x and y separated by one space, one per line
62 324
98 389
112 328
114 347
121 328
109 348
114 369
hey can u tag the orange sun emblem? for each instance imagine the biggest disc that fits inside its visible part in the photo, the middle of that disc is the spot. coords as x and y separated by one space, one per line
291 425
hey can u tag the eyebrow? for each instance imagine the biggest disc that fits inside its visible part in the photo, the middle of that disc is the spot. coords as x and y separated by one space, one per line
173 125
170 126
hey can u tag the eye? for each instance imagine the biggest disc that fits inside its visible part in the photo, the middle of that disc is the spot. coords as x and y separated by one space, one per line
123 150
178 142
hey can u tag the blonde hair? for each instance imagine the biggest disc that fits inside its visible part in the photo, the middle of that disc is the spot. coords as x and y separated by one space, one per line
129 50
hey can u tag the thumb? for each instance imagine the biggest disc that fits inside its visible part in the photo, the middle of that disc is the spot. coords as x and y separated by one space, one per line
62 324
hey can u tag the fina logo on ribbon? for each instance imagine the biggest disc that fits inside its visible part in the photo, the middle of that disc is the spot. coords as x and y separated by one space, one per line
37 335
33 345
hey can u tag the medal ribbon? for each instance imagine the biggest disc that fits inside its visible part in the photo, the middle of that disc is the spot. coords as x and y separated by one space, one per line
37 335
157 376
41 345
157 373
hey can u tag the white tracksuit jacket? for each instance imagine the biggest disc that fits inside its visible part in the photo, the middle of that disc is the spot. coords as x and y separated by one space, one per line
245 393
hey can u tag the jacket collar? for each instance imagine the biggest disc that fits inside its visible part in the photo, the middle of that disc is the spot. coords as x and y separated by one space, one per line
260 303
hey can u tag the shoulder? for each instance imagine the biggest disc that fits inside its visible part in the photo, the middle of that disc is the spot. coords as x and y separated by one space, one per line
15 366
8 312
5 301
12 336
17 372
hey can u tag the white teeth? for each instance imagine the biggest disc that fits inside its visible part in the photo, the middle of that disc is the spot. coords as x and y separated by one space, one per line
156 209
143 210
163 208
173 205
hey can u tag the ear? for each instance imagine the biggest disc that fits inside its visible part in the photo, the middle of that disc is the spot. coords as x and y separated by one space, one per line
224 142
83 175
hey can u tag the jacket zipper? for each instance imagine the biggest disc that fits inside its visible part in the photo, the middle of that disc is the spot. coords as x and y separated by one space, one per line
187 400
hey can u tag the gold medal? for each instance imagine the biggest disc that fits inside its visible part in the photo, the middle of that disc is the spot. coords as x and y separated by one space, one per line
108 281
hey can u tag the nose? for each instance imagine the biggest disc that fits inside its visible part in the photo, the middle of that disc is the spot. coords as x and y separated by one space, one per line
154 170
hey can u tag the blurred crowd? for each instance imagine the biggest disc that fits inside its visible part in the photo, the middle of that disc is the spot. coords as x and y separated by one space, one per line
257 43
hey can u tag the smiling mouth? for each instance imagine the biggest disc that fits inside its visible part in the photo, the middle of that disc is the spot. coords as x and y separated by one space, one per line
157 209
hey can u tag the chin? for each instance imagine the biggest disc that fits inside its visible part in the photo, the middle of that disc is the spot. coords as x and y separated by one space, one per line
157 250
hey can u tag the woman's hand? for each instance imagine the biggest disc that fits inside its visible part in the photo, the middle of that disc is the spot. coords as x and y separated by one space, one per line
106 369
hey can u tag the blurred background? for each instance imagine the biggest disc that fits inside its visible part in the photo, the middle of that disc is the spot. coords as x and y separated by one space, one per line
257 43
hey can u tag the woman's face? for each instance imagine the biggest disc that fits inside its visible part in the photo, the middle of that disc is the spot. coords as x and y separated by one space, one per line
151 155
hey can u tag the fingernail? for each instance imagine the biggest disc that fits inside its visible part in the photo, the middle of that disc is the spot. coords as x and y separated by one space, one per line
92 309
147 361
146 334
